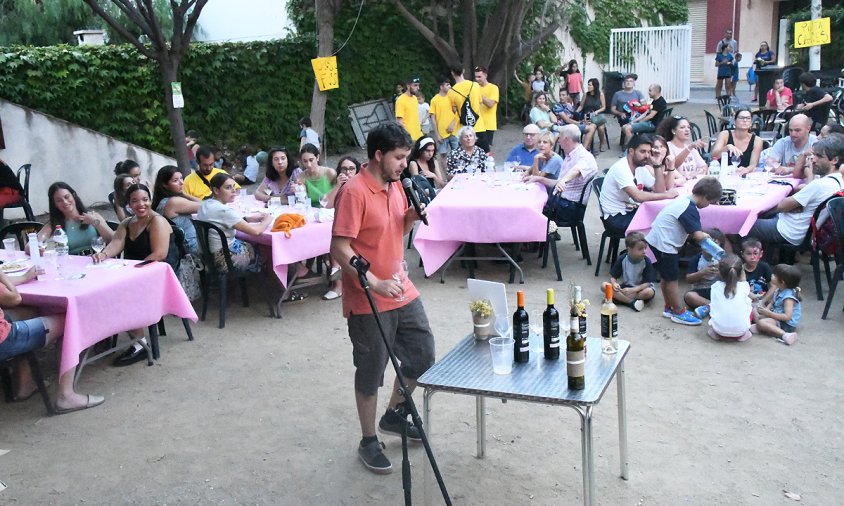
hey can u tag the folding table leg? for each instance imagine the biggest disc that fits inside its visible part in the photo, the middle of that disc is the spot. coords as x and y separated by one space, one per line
586 455
622 421
480 420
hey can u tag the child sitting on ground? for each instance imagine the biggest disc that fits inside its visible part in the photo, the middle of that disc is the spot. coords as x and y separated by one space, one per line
756 270
632 275
731 306
703 271
778 314
669 231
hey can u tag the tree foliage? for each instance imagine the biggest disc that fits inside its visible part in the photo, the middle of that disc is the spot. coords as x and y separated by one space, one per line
592 32
832 54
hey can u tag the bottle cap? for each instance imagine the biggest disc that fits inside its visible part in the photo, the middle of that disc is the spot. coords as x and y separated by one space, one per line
520 298
608 291
549 295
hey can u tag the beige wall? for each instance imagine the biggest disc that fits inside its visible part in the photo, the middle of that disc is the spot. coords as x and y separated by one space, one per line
62 151
757 23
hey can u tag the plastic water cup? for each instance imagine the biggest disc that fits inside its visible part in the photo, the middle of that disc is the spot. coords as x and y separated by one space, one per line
291 200
10 244
501 349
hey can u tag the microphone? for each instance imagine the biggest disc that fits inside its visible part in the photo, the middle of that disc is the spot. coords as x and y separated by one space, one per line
411 196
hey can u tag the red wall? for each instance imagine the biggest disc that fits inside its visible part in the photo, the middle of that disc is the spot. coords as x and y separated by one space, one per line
718 20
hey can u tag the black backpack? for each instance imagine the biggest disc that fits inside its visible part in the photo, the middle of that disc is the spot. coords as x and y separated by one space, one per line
468 116
423 188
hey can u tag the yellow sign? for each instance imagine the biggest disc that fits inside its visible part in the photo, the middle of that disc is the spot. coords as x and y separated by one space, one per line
812 33
325 71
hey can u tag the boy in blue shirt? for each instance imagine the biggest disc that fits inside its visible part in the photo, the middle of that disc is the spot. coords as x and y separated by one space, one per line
669 231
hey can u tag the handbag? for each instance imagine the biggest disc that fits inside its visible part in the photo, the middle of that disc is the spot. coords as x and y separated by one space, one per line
189 277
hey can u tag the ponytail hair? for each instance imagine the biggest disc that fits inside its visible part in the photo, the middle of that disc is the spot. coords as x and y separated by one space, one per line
789 276
729 268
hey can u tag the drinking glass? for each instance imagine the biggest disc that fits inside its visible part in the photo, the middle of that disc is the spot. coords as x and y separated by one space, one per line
537 342
502 325
323 202
98 244
400 275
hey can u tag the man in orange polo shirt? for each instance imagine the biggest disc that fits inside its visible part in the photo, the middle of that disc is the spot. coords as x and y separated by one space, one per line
372 216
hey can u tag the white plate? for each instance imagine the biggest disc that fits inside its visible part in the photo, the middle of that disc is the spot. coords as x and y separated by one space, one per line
12 267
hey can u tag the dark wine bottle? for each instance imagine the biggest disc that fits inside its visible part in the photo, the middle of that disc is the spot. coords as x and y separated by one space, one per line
551 328
575 357
521 330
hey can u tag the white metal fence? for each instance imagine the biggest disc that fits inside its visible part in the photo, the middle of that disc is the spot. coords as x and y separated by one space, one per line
660 55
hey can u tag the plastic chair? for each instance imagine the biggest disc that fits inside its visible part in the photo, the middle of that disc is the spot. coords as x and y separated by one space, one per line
20 231
24 200
836 214
212 273
578 231
712 124
183 249
723 101
614 238
6 379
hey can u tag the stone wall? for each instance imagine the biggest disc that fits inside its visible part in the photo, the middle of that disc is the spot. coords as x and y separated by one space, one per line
62 151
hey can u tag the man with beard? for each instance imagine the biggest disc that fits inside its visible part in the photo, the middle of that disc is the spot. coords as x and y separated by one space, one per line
372 216
198 182
620 186
407 109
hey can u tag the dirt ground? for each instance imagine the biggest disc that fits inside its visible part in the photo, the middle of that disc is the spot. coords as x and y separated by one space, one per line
263 412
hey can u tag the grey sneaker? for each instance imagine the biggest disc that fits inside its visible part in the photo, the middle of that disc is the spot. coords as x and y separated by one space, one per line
374 459
394 420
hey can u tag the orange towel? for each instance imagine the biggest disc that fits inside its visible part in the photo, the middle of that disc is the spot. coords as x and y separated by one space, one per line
287 222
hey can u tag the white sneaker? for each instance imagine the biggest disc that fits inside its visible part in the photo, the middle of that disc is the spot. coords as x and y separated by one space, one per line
639 305
789 338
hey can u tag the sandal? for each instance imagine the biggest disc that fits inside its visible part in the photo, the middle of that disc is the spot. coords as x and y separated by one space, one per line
331 295
295 297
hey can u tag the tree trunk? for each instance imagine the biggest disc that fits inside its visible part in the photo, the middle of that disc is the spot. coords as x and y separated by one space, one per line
169 74
326 11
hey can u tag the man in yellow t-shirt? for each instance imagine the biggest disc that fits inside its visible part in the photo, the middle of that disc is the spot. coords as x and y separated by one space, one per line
461 89
489 108
194 184
407 109
444 120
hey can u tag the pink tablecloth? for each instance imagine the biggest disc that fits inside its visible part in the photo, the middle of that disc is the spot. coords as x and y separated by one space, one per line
312 240
306 242
111 298
754 194
472 209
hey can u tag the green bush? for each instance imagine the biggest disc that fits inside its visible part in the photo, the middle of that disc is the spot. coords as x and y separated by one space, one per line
235 93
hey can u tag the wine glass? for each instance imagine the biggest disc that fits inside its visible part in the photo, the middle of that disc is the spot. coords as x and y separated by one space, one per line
399 276
537 341
98 244
323 201
502 325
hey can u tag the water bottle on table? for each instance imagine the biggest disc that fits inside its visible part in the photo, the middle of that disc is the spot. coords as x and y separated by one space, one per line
59 239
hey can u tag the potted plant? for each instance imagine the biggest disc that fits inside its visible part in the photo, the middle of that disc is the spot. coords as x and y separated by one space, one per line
482 313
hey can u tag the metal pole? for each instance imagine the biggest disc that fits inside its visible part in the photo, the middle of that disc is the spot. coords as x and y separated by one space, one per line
815 51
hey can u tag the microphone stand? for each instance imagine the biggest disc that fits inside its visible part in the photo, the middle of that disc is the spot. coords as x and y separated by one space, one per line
361 265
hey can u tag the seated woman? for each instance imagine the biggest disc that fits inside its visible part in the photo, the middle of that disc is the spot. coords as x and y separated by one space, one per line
129 168
546 163
592 107
10 189
80 225
169 201
678 132
144 236
317 179
423 160
119 204
22 330
467 154
347 167
660 175
741 143
541 114
216 210
281 177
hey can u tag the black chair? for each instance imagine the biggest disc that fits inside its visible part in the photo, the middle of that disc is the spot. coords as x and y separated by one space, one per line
6 379
20 230
183 249
723 101
712 124
696 134
212 273
613 237
578 231
836 214
113 225
24 200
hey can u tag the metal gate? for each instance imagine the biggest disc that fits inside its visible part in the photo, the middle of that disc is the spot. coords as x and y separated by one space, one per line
658 55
